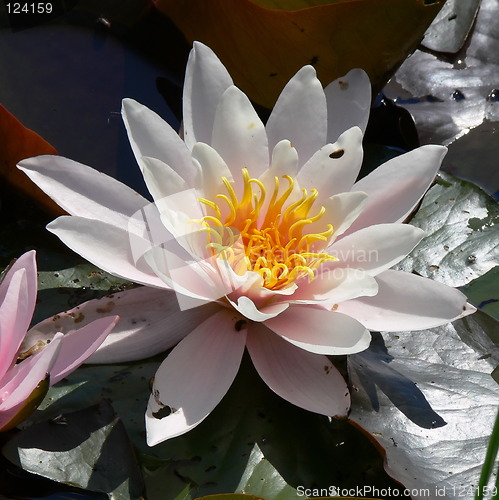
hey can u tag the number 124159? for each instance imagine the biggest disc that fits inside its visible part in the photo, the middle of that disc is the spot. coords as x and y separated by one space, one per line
29 8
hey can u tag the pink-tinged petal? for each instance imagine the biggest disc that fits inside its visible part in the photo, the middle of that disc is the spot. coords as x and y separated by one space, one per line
239 135
320 331
15 316
407 302
341 210
195 282
195 376
248 309
348 103
335 285
307 380
334 167
375 249
17 302
396 187
83 191
212 168
104 245
26 261
152 137
78 345
206 79
300 115
22 379
150 323
161 180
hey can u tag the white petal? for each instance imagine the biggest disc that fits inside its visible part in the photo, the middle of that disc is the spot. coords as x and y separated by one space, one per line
196 282
104 245
83 191
195 377
213 168
375 248
341 211
150 136
307 380
150 323
407 302
334 168
206 79
320 331
239 135
78 345
335 286
248 309
348 103
161 179
396 187
300 115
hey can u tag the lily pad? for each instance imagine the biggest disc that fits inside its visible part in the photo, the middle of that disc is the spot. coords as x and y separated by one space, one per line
88 449
450 96
245 445
461 233
450 28
451 366
484 294
16 143
263 46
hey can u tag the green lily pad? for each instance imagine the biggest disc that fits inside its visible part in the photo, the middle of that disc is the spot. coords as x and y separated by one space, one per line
484 294
461 236
88 449
253 442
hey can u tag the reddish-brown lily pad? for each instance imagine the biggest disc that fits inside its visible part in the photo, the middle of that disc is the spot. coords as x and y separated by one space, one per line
262 47
17 143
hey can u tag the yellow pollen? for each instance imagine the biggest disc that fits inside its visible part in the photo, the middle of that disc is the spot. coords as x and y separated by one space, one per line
274 243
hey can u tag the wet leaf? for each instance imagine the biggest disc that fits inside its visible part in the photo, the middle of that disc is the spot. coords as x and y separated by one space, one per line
253 442
450 96
460 222
450 28
484 294
451 366
88 449
16 143
263 47
230 496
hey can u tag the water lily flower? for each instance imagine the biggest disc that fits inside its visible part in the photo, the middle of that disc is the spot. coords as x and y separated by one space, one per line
55 360
264 228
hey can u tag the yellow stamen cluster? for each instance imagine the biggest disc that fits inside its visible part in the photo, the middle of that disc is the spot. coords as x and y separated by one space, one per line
273 243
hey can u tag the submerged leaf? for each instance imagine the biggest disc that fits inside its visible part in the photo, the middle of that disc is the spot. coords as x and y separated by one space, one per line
263 44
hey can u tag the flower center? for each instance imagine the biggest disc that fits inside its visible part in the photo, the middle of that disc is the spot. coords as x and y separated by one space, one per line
268 238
